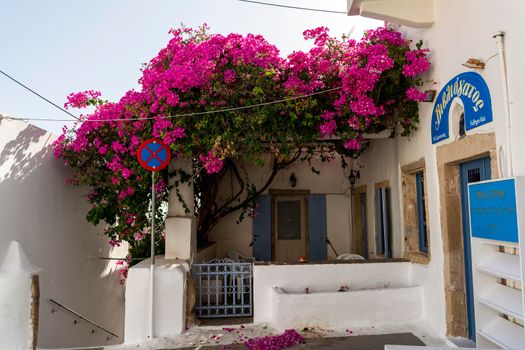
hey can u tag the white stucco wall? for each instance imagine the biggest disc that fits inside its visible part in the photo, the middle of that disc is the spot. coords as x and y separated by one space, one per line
379 164
381 307
169 299
47 217
338 222
322 278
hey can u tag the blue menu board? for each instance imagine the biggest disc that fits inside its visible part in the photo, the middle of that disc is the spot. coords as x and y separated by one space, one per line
493 213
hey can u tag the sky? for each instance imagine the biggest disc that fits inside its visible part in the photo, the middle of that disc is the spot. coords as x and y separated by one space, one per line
61 46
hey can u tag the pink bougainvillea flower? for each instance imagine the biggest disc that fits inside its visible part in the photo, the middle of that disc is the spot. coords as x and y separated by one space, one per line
328 128
81 99
118 147
126 173
415 95
160 186
417 62
121 195
229 76
353 144
211 163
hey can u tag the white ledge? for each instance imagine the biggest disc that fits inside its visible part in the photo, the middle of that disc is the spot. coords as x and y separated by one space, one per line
410 13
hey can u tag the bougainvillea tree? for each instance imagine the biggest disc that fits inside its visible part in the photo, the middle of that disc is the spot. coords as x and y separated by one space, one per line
222 100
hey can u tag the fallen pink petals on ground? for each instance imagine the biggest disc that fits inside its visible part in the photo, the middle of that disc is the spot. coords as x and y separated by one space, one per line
289 338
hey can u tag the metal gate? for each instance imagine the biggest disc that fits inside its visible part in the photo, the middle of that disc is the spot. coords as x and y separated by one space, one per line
224 288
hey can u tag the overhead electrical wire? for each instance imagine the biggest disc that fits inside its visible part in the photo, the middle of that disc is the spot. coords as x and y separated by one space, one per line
37 94
292 7
180 115
230 109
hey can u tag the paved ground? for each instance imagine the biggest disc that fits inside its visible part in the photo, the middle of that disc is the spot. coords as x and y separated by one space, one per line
359 342
214 337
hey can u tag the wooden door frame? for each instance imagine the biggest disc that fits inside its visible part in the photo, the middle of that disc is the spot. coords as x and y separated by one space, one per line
448 157
286 193
356 192
467 246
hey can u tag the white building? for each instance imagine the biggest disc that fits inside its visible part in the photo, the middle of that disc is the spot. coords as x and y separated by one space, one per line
406 214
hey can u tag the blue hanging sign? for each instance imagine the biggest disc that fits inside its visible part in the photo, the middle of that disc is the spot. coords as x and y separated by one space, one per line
493 212
473 92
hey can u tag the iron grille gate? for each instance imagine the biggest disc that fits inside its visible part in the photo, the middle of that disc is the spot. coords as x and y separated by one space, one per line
224 288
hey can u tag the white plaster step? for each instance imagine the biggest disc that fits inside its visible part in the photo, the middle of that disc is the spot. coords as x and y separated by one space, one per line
504 334
84 348
501 265
416 347
503 299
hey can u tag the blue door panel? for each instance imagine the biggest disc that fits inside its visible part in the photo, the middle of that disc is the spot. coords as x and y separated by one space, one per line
473 171
364 228
317 227
262 229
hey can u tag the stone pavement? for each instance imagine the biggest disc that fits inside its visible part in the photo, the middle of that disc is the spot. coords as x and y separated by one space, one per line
358 342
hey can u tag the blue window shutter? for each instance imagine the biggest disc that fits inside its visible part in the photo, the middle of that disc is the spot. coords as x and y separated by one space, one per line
262 229
421 214
386 223
383 229
317 227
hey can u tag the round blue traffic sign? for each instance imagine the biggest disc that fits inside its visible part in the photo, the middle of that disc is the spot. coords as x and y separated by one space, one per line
153 155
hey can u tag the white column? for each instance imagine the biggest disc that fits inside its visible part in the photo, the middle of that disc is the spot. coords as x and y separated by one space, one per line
181 233
170 299
17 331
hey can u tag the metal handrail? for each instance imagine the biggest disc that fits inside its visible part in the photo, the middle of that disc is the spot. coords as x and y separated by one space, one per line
106 258
82 317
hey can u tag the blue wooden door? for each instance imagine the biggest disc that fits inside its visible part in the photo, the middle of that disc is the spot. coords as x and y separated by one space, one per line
262 229
473 171
317 227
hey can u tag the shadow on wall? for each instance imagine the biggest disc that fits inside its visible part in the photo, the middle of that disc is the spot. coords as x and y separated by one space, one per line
21 155
47 217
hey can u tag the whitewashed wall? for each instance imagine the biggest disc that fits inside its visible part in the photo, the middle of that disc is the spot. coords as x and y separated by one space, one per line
377 308
47 217
169 299
379 163
322 278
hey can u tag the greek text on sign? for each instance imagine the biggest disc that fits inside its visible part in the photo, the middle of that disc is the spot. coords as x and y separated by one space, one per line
493 210
473 92
153 155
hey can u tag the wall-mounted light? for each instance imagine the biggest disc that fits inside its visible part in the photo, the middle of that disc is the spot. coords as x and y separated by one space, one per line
430 95
293 180
474 63
354 175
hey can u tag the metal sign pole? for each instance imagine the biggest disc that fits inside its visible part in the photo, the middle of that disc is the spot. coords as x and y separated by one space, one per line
152 268
153 155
